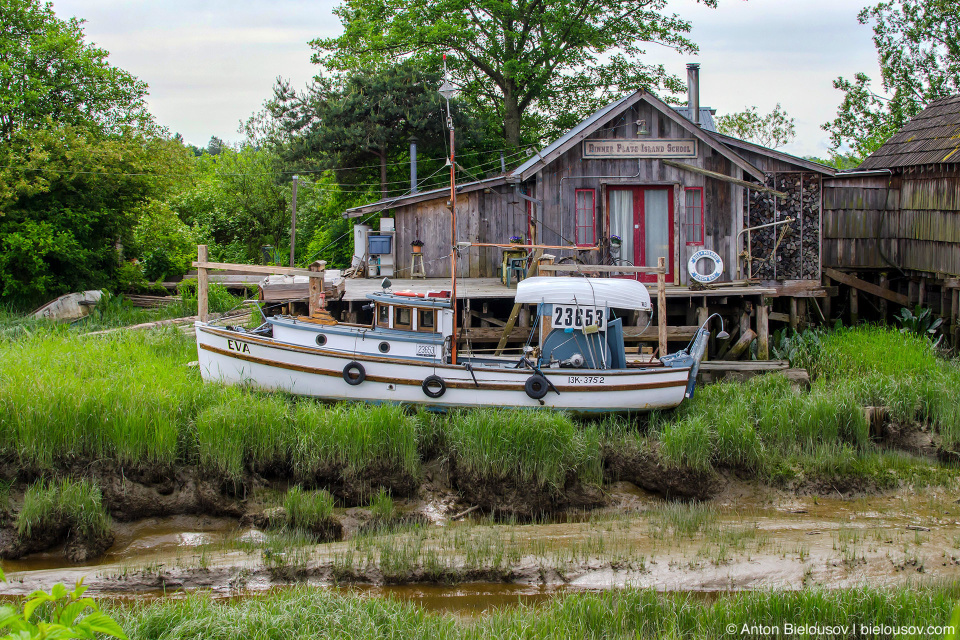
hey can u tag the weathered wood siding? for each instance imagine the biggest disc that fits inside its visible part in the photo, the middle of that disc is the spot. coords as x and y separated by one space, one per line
488 215
908 220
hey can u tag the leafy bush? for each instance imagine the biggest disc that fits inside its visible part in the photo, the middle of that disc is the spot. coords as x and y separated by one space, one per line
219 299
59 615
919 322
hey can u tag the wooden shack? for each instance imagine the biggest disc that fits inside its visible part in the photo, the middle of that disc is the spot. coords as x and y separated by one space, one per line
661 180
892 226
665 184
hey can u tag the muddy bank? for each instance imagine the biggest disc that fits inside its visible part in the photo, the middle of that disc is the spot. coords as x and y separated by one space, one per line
443 487
748 538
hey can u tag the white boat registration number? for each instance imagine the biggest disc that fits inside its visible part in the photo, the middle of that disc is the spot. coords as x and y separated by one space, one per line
578 316
584 379
428 350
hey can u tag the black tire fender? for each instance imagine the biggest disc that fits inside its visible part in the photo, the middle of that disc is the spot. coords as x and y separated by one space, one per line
536 386
357 368
433 381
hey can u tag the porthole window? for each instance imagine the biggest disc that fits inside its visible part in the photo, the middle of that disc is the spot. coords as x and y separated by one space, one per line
321 340
384 347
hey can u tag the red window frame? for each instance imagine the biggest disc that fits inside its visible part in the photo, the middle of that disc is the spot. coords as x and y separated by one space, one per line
693 219
583 228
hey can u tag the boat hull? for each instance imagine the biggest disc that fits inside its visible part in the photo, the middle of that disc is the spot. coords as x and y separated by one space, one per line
236 358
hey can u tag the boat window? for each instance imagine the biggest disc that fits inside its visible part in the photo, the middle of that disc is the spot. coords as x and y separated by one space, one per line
402 318
426 320
383 315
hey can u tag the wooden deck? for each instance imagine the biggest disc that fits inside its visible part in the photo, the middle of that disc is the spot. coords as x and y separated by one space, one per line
492 288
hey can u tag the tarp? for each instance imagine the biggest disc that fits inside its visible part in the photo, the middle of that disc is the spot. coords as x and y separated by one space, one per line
597 292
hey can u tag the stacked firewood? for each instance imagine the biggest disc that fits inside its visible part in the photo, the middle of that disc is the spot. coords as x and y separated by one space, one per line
789 251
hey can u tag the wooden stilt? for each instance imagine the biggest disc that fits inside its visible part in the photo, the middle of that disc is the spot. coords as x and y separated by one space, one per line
511 321
702 314
854 306
884 284
316 302
828 301
801 313
763 330
662 304
793 313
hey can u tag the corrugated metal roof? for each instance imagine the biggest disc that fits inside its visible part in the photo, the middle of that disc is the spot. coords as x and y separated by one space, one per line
706 117
931 137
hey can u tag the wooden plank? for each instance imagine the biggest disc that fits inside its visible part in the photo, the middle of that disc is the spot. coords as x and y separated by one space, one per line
253 268
508 329
724 177
739 349
599 268
747 365
866 287
316 302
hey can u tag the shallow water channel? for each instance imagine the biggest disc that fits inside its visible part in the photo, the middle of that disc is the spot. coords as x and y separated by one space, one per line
749 538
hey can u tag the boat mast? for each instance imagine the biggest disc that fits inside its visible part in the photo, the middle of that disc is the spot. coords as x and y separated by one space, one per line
447 90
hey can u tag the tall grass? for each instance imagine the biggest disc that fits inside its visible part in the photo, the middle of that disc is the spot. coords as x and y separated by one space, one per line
76 504
305 612
527 447
307 509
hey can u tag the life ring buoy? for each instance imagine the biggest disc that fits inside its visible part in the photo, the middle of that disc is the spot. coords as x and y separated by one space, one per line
434 386
709 255
536 386
352 368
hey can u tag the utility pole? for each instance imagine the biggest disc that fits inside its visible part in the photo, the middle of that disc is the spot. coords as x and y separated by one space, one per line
293 221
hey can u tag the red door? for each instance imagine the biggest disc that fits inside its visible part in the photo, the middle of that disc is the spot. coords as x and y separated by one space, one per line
643 219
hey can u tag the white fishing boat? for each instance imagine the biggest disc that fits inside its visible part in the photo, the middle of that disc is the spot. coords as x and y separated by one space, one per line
406 355
409 352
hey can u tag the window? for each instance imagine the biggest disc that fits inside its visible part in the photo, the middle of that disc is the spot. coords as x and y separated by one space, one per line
402 318
425 320
693 215
586 212
383 315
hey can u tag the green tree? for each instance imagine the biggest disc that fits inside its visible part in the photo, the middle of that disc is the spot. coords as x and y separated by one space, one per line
918 47
772 130
534 66
351 119
47 71
70 199
238 200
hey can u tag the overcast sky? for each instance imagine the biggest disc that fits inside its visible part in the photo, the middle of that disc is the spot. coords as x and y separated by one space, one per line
212 63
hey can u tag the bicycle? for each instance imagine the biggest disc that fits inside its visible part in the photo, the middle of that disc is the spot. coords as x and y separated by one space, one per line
610 256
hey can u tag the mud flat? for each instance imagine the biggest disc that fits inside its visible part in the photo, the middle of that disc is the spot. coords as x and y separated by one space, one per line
748 538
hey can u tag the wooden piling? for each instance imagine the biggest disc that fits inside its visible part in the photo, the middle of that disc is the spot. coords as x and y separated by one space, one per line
203 285
763 330
316 301
662 304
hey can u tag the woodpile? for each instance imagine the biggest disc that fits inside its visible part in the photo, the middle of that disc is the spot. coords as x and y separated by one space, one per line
789 251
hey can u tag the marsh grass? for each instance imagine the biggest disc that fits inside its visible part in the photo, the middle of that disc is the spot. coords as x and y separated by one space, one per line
535 447
382 506
642 614
76 504
131 398
308 509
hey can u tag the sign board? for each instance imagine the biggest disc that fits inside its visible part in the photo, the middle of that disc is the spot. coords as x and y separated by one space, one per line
651 148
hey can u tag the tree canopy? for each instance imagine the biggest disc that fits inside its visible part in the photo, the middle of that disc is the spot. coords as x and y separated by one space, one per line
533 66
772 130
47 71
918 46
